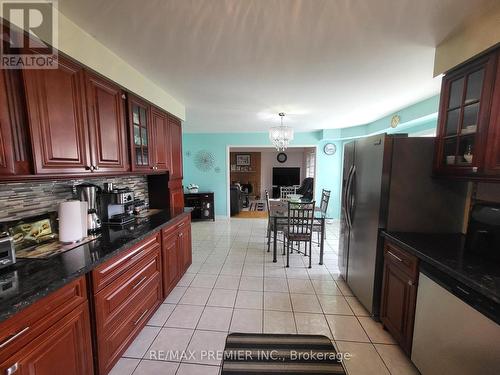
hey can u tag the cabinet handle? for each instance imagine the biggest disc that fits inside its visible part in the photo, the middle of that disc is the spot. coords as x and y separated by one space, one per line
152 167
12 369
136 285
124 96
474 169
96 168
88 167
140 318
462 290
13 337
410 283
395 256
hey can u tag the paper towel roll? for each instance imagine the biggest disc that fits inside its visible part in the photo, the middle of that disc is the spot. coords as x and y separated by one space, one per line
70 221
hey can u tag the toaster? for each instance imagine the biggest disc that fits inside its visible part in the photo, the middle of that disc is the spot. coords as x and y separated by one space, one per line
7 251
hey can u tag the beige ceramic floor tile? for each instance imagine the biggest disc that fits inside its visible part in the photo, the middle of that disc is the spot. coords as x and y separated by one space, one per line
176 294
396 360
204 281
274 284
312 324
228 282
344 288
191 369
334 304
147 367
249 300
364 359
346 328
300 286
205 343
375 331
246 321
161 315
356 306
186 279
215 319
185 316
250 283
279 322
277 301
307 303
196 296
169 341
222 298
142 342
328 287
124 366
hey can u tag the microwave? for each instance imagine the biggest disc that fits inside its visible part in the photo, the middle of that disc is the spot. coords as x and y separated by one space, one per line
7 251
483 234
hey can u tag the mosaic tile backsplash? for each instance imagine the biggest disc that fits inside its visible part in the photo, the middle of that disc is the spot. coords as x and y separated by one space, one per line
22 199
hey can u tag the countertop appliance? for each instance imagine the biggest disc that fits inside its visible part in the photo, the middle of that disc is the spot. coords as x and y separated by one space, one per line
89 193
7 251
483 234
450 336
117 206
387 185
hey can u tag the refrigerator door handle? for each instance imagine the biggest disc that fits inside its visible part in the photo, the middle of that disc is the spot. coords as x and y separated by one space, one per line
348 197
352 196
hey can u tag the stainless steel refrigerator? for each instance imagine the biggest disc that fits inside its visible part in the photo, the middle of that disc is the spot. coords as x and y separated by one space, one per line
388 185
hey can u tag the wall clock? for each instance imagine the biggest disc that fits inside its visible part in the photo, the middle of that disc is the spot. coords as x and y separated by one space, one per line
330 149
281 157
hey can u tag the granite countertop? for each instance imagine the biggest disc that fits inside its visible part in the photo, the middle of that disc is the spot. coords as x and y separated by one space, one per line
447 253
33 279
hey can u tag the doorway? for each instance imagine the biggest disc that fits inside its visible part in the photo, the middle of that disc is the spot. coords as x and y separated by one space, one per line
254 170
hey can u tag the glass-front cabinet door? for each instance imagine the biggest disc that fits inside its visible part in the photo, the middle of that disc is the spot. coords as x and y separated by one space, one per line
463 119
140 133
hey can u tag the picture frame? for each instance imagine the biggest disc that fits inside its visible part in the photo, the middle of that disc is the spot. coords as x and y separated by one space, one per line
243 159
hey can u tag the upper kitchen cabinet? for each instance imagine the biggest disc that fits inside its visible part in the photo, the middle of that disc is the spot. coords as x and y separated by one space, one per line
14 144
467 143
140 130
175 148
57 117
161 140
107 130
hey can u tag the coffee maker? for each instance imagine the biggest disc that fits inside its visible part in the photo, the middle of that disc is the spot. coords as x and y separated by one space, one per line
89 193
117 206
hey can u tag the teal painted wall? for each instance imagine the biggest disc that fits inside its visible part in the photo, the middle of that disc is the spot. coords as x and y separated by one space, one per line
327 167
417 119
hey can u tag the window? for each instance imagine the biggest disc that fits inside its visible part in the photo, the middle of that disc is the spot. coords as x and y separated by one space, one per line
310 163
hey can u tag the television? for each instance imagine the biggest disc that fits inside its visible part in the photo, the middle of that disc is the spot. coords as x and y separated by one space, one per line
286 176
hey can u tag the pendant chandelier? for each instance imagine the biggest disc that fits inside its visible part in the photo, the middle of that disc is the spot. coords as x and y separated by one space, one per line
281 135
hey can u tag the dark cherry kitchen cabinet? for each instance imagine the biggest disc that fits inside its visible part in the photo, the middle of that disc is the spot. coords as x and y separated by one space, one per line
52 336
140 134
107 130
176 196
399 294
186 246
468 139
14 144
57 115
161 147
175 148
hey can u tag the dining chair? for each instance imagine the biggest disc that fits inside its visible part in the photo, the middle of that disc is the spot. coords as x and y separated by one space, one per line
280 224
286 191
299 228
323 207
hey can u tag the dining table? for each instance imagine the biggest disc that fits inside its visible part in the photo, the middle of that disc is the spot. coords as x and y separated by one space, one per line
278 214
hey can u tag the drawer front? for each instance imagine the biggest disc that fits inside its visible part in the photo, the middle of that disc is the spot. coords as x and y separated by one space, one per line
401 259
114 341
22 328
110 270
171 229
114 301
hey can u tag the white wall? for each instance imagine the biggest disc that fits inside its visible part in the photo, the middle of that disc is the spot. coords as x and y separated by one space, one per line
268 161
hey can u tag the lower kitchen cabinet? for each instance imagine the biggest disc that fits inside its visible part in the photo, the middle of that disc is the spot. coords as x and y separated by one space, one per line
399 294
176 253
127 300
51 336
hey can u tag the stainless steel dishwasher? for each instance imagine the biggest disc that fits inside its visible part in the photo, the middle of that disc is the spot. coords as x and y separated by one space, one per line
451 337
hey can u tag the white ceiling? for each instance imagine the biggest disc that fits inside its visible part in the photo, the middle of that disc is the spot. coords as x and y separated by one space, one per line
236 63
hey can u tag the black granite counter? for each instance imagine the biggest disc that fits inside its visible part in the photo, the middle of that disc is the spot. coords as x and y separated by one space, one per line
31 279
448 254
